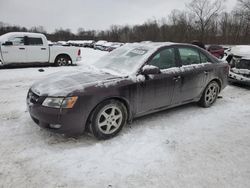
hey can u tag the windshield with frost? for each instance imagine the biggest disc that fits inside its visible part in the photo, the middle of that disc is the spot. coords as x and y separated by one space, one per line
124 60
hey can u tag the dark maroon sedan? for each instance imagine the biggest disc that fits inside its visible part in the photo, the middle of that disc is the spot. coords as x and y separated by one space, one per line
216 50
131 81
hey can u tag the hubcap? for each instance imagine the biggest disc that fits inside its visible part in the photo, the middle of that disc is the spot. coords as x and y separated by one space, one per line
62 61
109 119
211 93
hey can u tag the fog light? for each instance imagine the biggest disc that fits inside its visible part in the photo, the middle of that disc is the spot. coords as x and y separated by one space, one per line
55 126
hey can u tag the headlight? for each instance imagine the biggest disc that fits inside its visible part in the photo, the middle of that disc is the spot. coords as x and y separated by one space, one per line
60 102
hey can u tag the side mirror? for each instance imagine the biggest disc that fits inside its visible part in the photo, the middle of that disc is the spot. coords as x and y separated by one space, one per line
8 43
150 69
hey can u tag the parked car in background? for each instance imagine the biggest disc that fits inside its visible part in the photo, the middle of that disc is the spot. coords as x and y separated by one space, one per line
110 46
50 43
129 82
61 43
90 44
239 61
26 48
198 43
227 51
81 43
216 50
99 45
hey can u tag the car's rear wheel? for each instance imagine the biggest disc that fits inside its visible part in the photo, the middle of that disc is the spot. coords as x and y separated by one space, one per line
210 94
108 119
62 60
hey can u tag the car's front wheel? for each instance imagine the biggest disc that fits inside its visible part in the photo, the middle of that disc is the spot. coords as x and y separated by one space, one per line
210 94
108 119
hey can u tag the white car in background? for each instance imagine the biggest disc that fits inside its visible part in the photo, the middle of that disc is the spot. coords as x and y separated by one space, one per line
239 61
29 48
100 45
81 43
110 46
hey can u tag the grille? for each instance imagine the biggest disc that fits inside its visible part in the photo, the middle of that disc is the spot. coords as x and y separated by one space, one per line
34 98
243 64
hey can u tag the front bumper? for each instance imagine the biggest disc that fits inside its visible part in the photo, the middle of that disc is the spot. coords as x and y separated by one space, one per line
70 120
238 78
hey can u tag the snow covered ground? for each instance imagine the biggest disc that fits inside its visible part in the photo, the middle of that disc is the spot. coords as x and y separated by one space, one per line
187 146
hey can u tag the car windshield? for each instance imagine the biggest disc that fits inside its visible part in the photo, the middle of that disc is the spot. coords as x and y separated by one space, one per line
124 60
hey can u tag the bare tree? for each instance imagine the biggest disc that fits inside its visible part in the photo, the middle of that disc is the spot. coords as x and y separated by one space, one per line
205 12
203 20
38 29
244 9
245 4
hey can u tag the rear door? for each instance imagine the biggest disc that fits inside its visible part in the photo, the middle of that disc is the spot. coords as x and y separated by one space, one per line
193 74
16 53
156 91
37 51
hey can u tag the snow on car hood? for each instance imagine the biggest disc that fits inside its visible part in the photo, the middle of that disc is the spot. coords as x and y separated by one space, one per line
241 50
64 83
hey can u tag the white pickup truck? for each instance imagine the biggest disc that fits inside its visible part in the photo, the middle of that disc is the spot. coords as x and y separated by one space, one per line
25 48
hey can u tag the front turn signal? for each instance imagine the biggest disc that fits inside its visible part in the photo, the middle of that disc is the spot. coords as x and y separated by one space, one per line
69 102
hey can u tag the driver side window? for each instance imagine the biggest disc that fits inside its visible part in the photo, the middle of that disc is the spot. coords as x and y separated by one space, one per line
164 59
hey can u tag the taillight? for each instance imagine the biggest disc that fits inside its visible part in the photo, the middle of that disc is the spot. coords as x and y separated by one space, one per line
79 52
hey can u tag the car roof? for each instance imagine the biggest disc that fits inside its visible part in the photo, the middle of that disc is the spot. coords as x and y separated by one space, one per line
6 36
157 45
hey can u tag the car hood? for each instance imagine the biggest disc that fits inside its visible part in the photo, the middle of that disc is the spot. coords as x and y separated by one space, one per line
241 50
65 83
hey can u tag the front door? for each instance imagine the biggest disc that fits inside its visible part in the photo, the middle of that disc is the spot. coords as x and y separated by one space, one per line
156 91
16 53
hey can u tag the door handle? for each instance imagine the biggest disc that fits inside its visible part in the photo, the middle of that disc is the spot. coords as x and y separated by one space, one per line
21 48
206 72
43 48
176 78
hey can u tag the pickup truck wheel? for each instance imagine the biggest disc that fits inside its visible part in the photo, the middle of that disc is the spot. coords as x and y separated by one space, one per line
62 60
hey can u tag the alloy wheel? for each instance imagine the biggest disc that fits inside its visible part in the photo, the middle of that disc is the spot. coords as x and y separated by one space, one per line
109 119
62 61
211 93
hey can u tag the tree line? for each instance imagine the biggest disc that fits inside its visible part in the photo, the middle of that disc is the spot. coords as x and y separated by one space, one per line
202 20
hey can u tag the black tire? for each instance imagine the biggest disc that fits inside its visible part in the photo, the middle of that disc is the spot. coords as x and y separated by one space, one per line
209 95
103 123
62 60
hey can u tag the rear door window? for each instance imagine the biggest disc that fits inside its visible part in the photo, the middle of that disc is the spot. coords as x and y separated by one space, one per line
189 56
35 41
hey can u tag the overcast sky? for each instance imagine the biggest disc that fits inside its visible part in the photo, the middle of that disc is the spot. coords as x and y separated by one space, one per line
88 14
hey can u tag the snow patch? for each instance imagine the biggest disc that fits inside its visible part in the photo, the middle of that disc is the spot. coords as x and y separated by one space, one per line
187 146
